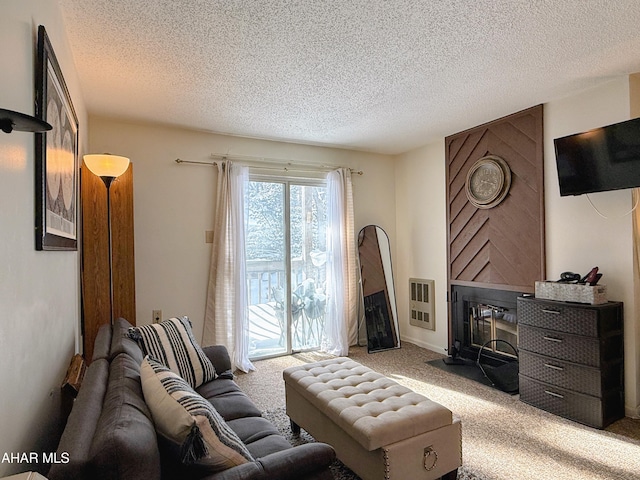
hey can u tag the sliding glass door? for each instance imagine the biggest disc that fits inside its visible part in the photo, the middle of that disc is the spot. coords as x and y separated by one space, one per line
286 255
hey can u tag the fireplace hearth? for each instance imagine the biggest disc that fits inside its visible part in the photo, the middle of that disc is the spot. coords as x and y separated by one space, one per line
483 316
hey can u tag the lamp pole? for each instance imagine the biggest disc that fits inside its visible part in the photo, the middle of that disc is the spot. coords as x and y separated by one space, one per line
107 182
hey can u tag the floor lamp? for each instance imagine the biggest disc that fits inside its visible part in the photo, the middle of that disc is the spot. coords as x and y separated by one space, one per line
108 168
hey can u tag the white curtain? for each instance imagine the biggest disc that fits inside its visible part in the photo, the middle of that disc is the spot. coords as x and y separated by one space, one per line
226 315
342 266
635 196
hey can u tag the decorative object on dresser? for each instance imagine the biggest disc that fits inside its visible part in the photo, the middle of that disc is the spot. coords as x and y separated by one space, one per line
571 359
573 287
572 292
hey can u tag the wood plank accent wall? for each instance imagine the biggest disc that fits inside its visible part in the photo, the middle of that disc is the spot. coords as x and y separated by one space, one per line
95 253
502 247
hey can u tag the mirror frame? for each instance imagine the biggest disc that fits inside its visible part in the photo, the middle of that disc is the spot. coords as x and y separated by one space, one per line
378 301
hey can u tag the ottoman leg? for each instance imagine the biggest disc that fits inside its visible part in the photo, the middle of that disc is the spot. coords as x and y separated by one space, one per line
295 428
452 475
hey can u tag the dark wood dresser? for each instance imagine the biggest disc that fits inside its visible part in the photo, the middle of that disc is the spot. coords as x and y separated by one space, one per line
571 359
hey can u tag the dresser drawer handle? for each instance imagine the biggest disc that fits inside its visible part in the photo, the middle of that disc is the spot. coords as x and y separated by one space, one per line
554 367
553 312
553 339
553 394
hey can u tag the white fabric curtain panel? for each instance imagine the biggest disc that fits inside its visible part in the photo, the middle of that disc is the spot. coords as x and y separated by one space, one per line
635 199
341 322
226 315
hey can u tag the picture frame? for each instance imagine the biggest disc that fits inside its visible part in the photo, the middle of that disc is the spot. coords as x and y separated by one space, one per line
56 160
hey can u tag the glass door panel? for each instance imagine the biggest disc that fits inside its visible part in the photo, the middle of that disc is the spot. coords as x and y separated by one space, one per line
308 225
286 256
506 326
267 269
481 317
493 323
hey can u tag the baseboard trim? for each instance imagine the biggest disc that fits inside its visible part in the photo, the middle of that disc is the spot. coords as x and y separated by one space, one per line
632 412
422 344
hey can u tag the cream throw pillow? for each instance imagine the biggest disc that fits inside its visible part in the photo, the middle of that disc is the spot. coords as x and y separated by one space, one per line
185 417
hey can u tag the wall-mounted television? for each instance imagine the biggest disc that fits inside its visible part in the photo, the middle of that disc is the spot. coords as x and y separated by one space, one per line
602 159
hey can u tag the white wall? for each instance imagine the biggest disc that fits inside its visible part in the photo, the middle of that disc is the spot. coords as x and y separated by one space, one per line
173 204
421 220
577 238
39 291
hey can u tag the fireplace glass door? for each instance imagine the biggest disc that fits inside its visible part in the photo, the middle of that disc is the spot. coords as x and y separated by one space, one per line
488 322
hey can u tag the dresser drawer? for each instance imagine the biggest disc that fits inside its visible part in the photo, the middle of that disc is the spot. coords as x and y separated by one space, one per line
561 373
589 320
558 316
574 406
564 346
590 351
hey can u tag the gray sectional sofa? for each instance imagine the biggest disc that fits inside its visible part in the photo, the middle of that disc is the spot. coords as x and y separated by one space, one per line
110 433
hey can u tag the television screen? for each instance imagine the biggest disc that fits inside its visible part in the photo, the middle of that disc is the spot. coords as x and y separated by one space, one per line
602 159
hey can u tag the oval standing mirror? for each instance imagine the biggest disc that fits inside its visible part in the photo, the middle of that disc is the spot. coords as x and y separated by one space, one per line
381 316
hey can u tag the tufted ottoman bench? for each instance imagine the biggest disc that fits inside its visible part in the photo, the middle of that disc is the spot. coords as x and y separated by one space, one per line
379 429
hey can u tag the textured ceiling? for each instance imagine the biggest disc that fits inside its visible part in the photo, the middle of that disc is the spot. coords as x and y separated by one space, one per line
376 75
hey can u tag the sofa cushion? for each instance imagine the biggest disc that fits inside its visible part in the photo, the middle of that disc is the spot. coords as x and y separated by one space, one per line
227 398
259 435
124 445
171 342
188 419
219 357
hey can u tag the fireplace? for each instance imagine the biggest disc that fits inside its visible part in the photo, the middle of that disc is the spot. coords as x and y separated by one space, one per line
479 315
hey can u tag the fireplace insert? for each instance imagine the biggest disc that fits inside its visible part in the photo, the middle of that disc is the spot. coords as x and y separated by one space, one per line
479 315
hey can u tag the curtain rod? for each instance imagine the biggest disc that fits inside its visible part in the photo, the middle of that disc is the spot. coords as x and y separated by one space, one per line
268 163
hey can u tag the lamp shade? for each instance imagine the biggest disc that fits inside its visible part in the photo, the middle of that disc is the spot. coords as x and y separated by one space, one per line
106 165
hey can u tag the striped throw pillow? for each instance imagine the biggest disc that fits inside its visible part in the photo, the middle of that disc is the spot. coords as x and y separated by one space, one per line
186 418
171 342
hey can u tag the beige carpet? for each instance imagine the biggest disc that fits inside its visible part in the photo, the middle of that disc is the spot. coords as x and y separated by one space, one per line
502 438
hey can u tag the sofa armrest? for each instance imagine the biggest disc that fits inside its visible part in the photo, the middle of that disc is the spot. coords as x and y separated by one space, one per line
219 356
294 463
297 462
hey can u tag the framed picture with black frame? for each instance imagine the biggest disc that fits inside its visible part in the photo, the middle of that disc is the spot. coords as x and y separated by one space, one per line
56 165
